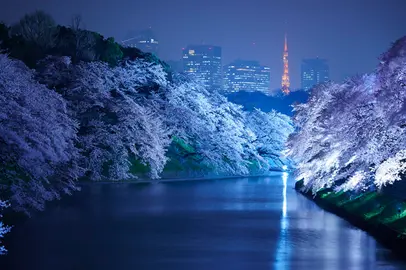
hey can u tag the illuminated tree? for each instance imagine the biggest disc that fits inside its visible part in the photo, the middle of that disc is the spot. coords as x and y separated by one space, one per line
37 137
271 129
115 125
3 228
353 135
213 126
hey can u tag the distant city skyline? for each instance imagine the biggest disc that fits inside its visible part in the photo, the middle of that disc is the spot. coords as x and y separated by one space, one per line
328 29
204 63
246 75
147 41
313 72
144 40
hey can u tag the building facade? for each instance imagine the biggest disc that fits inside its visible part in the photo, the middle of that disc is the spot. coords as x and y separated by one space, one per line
203 62
313 72
247 76
144 40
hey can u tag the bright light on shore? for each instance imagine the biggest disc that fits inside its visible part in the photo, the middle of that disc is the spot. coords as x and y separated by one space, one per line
284 167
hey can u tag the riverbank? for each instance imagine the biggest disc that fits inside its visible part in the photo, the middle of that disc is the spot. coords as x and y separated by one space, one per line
382 216
143 180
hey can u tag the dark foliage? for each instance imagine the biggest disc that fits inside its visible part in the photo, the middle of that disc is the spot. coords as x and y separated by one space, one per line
78 44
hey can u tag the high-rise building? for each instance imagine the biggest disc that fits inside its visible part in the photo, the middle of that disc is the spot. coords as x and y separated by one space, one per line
144 40
203 62
247 76
314 71
285 76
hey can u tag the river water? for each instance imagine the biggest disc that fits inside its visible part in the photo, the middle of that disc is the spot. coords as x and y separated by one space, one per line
247 223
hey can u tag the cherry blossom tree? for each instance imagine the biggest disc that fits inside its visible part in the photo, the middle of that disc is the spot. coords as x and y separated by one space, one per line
38 157
133 111
37 154
215 128
4 229
351 136
272 131
115 124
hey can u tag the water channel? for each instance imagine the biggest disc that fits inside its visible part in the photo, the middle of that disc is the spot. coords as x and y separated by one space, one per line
245 223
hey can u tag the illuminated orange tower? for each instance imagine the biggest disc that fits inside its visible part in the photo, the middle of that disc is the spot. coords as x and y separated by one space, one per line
285 76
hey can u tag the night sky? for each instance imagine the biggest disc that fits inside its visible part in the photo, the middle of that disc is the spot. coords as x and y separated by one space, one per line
351 34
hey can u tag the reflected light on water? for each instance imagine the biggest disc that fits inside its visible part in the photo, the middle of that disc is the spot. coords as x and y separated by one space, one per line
226 224
283 249
355 248
285 176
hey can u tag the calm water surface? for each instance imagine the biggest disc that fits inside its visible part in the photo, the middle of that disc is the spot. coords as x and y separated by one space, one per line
255 223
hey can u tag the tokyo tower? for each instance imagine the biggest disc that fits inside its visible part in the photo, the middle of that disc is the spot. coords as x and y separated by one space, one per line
285 76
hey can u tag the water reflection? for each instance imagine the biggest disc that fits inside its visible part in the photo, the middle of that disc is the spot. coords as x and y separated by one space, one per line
283 249
285 176
255 223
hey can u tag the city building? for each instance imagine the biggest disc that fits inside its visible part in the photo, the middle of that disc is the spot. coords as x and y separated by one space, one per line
313 72
144 40
203 62
247 76
285 76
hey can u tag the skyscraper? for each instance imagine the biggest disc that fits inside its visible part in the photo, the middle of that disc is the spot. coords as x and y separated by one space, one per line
203 62
144 40
285 77
247 76
314 71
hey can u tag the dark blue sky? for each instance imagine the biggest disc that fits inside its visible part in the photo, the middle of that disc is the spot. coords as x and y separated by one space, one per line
351 34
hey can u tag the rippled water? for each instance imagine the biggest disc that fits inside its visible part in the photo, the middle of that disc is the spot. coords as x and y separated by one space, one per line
255 223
